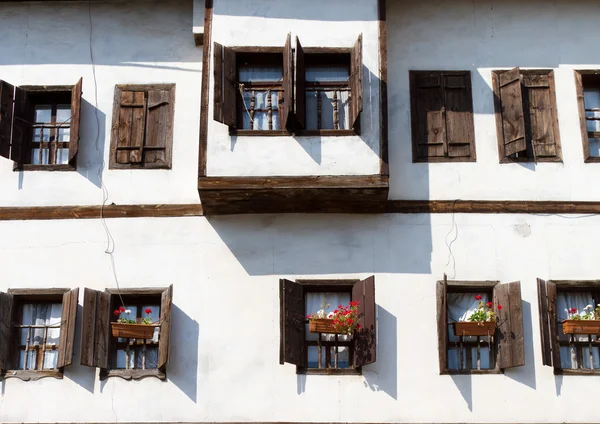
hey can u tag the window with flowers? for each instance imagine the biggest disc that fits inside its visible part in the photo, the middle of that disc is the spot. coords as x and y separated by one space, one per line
328 327
480 326
128 356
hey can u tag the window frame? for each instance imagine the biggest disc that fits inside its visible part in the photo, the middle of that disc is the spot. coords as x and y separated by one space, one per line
580 75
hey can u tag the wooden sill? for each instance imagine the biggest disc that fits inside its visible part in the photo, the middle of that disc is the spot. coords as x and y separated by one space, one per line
443 160
139 166
593 159
133 374
327 133
471 372
27 375
530 160
259 133
560 371
30 167
328 371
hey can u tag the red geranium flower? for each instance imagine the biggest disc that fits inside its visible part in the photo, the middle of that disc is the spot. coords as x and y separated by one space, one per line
490 304
478 297
148 311
308 316
499 307
117 312
122 309
358 327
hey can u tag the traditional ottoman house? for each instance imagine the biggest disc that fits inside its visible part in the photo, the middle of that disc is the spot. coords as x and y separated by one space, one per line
189 188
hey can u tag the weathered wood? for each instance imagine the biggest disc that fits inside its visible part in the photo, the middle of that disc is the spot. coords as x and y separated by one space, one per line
511 350
56 293
287 119
442 326
22 132
7 92
205 87
75 119
292 310
305 182
544 323
159 127
95 329
138 291
383 91
6 318
133 374
481 285
356 83
230 87
166 307
70 301
27 375
300 93
458 103
579 85
365 339
218 83
543 124
513 118
428 117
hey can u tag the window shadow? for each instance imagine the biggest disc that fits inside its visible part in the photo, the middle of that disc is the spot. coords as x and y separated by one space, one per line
382 376
300 383
525 374
182 369
81 375
92 142
464 383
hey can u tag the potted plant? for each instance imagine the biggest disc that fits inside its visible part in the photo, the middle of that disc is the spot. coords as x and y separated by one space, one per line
343 320
482 322
128 328
586 322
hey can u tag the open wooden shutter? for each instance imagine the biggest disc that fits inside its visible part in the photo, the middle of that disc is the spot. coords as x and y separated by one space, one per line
458 101
95 333
428 115
129 121
356 83
225 88
442 324
159 126
166 308
300 79
548 323
513 118
7 92
288 84
23 116
365 339
511 351
292 323
6 316
75 118
545 139
67 327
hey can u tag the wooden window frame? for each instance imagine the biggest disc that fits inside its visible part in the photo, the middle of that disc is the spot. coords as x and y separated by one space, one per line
499 120
580 75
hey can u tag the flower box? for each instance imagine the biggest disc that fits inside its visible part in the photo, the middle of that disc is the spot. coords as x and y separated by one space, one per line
581 326
132 331
468 328
322 325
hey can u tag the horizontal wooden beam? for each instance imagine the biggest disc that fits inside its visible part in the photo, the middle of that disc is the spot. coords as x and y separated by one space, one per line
304 182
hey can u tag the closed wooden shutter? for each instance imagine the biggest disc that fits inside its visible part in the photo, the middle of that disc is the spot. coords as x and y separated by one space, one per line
166 309
442 324
288 84
458 101
300 96
292 323
225 85
70 302
75 118
356 83
6 317
7 92
129 121
23 116
513 118
548 323
428 115
95 333
159 126
511 351
543 128
365 340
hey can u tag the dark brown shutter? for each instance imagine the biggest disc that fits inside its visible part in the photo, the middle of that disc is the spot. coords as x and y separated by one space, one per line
442 324
548 323
159 126
95 333
300 97
542 114
288 84
75 118
23 116
6 316
460 133
428 115
511 351
225 88
67 327
365 339
7 92
292 323
129 121
356 83
582 115
513 118
166 308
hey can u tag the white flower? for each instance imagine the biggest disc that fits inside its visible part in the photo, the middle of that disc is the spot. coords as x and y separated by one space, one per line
127 311
330 315
321 313
588 307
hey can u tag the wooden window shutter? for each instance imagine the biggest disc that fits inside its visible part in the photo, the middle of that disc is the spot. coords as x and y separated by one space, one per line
300 79
356 83
543 127
458 103
23 116
365 340
428 115
129 121
441 300
75 118
582 115
6 317
7 92
159 126
288 84
95 334
511 351
548 323
512 115
70 302
166 309
225 88
292 323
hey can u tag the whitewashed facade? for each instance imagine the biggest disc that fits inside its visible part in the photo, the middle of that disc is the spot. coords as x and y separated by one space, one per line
225 270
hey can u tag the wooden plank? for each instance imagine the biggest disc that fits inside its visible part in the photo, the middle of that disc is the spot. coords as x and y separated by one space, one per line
88 327
509 94
56 292
218 83
293 311
429 115
541 115
442 324
300 94
205 87
22 132
383 90
356 83
67 328
365 340
159 127
230 87
553 324
511 351
582 116
288 86
249 183
75 120
6 318
166 308
7 92
458 101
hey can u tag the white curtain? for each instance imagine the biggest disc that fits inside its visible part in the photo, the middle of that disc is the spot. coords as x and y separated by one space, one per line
327 103
41 314
261 119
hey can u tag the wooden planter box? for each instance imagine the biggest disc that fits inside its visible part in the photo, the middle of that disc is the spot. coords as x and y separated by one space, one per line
132 331
468 328
580 326
322 325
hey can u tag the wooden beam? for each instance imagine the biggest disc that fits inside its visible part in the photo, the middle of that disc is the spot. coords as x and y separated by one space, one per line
383 94
205 95
304 182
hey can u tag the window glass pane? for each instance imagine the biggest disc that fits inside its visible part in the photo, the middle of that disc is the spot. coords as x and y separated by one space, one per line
311 110
43 113
566 358
41 134
154 316
313 357
453 359
313 305
63 114
327 74
327 109
151 358
43 314
64 135
484 356
260 73
594 147
62 156
35 156
591 98
122 359
261 105
343 357
50 359
462 305
568 300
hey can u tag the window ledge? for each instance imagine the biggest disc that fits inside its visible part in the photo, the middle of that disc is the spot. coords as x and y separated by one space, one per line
133 374
593 159
471 372
327 133
328 371
27 375
529 160
560 371
259 133
30 167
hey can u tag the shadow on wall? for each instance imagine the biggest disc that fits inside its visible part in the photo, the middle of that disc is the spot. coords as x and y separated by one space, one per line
525 374
92 143
182 370
382 376
83 376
